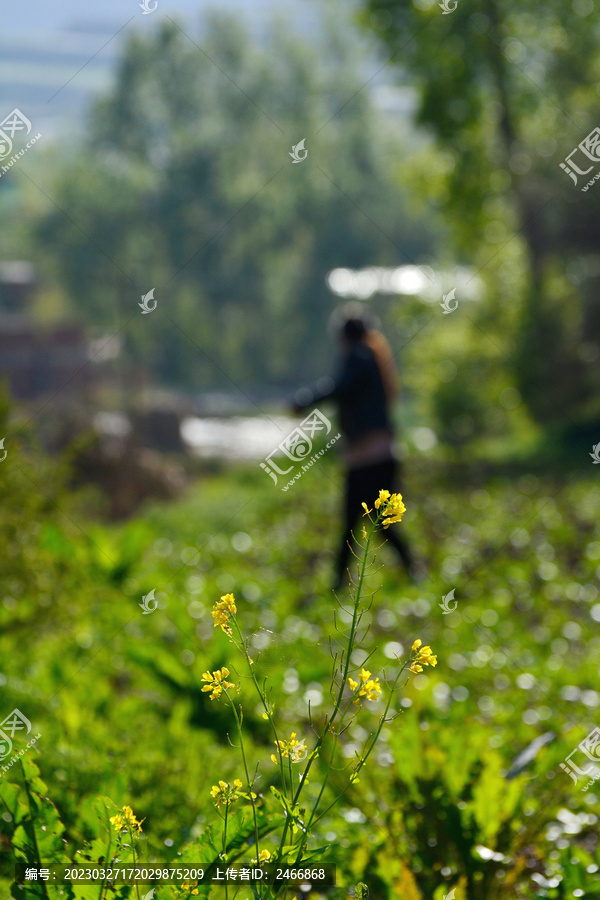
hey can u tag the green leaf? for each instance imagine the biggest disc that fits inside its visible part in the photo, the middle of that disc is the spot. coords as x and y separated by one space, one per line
37 831
314 855
294 812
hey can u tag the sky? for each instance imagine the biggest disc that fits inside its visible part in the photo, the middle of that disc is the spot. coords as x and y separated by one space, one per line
55 55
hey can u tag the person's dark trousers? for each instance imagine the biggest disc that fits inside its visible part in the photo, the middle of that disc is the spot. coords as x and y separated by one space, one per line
364 484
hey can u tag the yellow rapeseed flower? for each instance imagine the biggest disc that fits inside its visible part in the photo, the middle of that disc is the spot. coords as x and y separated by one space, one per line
264 856
390 508
223 610
216 682
226 793
293 748
393 511
384 496
125 819
367 687
424 657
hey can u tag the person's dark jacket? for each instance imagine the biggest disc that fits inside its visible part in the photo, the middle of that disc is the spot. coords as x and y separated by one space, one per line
358 391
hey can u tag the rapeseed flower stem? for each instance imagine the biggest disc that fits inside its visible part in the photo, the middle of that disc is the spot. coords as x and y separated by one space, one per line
387 509
252 795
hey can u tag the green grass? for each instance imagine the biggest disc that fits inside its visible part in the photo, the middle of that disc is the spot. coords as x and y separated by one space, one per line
117 695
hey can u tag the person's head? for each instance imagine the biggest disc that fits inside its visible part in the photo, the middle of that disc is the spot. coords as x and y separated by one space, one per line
354 329
351 324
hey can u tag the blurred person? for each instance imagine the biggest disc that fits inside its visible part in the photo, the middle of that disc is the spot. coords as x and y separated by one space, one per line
364 387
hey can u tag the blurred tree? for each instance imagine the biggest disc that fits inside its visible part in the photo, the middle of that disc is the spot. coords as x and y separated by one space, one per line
186 185
506 89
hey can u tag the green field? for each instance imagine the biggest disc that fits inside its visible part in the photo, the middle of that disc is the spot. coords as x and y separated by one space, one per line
117 696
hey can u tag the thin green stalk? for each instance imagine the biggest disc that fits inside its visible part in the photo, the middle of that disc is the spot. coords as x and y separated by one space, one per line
137 887
325 778
106 857
263 700
225 838
338 702
365 756
351 637
248 781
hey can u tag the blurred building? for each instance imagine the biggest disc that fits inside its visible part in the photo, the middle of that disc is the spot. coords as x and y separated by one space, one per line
34 360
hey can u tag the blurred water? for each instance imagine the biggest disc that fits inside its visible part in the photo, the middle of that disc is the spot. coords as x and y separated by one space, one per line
239 437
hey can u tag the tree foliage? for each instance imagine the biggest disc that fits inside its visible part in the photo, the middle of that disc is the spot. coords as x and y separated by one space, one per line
186 184
506 91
